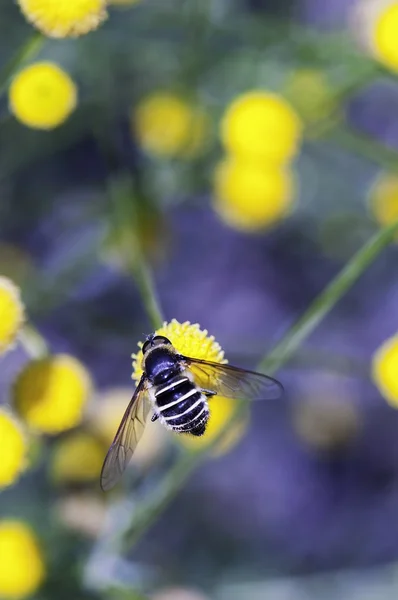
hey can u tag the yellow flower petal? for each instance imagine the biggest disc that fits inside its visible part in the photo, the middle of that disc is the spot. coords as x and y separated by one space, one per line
42 96
22 567
64 18
51 393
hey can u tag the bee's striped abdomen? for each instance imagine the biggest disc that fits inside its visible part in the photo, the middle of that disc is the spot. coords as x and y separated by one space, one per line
182 406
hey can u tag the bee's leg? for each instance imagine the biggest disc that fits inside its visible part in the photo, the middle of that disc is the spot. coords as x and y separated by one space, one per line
154 417
208 393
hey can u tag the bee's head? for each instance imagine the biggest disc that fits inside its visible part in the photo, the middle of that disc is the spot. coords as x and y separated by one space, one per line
153 340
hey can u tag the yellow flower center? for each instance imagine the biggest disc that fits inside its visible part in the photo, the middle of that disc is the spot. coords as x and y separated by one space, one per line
11 313
13 449
22 568
385 370
261 126
42 96
51 393
63 18
385 36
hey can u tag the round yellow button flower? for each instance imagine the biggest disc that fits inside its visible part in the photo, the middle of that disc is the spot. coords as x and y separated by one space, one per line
22 567
251 196
261 125
13 449
311 94
385 370
383 199
64 18
385 35
51 393
77 458
11 313
42 96
192 341
168 126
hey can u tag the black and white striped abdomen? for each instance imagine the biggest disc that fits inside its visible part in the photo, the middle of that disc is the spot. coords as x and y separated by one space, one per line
181 406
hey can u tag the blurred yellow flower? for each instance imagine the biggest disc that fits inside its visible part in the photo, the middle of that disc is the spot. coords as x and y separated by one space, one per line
192 341
22 567
252 196
311 94
384 199
11 313
261 125
42 96
64 18
167 126
77 458
385 35
385 370
13 450
51 393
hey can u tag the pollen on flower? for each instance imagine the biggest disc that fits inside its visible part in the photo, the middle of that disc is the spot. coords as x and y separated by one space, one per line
11 313
385 370
188 339
51 393
64 18
13 449
42 96
22 566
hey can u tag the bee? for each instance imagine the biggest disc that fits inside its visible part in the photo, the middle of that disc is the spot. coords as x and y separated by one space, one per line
178 390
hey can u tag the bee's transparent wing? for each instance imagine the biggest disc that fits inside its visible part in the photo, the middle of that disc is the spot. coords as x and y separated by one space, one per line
127 437
233 382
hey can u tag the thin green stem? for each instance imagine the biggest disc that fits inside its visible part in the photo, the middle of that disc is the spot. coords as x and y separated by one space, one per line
127 223
33 342
26 52
152 507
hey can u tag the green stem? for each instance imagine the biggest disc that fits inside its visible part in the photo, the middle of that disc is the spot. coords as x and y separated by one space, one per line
26 52
144 281
33 342
152 507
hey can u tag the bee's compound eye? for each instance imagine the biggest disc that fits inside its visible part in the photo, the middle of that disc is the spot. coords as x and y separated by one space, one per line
161 339
146 346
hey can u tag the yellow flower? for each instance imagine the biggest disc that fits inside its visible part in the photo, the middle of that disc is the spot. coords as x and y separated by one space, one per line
311 94
77 458
261 125
50 393
385 35
22 568
42 96
385 370
192 341
13 450
384 199
11 313
64 18
252 196
168 126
